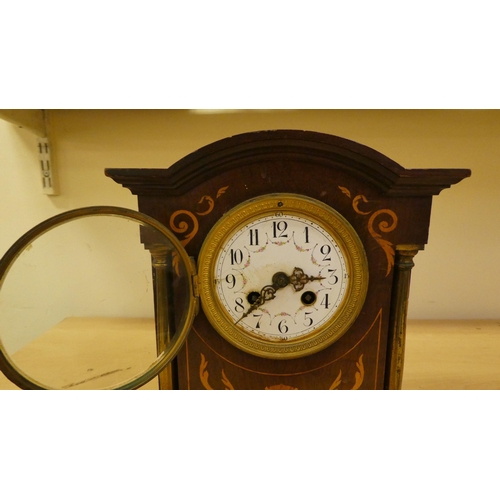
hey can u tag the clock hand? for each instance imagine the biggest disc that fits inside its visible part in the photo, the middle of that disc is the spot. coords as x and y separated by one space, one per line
266 294
299 279
280 280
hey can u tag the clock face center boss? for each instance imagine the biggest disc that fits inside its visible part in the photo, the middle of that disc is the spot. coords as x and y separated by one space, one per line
282 276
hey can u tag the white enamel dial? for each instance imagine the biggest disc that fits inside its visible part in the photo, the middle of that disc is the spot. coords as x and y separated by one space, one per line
281 243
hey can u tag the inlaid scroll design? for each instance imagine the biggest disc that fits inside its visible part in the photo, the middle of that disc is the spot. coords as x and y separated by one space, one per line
360 374
190 228
384 225
185 222
204 375
358 377
183 227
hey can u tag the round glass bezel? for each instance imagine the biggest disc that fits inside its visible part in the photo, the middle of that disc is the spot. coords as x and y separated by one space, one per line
23 380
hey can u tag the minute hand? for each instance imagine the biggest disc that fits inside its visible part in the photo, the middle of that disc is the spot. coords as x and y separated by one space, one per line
266 294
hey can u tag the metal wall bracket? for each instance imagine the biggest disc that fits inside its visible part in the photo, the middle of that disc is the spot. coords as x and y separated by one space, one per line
36 122
48 182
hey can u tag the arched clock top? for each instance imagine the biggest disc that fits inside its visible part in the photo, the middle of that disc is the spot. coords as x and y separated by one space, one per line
362 162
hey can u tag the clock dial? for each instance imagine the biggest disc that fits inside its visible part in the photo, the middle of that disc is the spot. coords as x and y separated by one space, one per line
282 276
308 259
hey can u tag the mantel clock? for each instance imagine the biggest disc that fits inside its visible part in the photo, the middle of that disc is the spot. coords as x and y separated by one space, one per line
303 244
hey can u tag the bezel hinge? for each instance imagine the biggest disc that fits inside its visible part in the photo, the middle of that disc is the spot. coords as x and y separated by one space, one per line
196 286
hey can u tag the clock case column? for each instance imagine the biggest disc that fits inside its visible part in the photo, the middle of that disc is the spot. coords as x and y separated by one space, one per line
388 206
399 310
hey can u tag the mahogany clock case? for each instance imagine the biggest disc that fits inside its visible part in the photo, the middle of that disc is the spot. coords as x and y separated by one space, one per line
387 205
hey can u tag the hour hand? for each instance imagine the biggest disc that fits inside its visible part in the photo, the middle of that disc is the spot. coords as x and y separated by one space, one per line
299 279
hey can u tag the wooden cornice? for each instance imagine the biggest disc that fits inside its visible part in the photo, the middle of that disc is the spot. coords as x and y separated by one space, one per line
384 174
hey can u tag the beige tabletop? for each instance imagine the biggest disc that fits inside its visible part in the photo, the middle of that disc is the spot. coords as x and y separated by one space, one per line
89 353
439 354
452 355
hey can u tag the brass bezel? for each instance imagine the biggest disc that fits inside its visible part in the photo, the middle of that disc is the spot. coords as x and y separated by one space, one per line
305 207
25 381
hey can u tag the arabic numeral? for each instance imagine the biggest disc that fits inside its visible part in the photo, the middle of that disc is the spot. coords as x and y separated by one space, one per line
282 328
325 251
308 321
254 237
258 321
279 229
236 257
231 281
333 277
239 307
326 302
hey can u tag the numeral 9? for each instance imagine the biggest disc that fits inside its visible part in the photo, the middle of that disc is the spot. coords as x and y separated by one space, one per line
231 281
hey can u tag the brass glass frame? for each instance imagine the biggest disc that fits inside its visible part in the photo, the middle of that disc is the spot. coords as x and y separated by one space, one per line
169 349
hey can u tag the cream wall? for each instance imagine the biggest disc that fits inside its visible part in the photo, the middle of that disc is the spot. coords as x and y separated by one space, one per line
456 276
